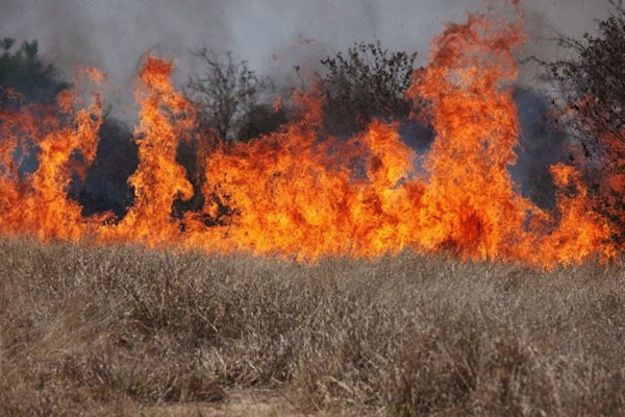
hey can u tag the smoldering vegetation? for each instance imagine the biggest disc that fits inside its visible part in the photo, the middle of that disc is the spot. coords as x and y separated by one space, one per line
125 331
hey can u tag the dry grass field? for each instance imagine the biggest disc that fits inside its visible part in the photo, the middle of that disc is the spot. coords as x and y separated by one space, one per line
129 332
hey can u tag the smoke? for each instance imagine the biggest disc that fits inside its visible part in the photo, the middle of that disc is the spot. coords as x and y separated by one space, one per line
286 198
113 35
547 20
273 35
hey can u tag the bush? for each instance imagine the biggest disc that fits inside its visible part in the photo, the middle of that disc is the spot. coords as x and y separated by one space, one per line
24 72
228 98
367 82
592 81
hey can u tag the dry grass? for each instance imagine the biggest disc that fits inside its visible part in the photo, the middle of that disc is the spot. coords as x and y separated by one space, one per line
124 331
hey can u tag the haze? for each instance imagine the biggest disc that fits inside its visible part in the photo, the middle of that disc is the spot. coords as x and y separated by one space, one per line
273 35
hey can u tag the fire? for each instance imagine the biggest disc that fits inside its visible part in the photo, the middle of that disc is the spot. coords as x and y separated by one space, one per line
292 194
166 117
37 203
470 203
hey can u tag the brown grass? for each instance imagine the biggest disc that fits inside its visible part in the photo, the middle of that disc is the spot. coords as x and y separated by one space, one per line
125 331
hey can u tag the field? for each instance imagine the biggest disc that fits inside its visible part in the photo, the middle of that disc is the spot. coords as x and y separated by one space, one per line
129 332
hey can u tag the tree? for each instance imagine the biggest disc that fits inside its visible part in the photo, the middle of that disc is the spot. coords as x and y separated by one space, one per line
261 119
368 82
22 71
592 83
225 94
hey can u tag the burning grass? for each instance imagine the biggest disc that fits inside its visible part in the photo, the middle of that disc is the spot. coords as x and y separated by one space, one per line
126 331
302 192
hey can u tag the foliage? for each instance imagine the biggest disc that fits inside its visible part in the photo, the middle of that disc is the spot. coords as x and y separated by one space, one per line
227 96
24 72
593 82
261 119
367 82
594 79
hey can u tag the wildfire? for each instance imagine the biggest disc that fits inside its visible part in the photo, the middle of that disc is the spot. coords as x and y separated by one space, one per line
291 194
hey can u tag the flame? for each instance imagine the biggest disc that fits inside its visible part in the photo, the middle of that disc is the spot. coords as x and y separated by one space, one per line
298 193
470 204
159 180
66 142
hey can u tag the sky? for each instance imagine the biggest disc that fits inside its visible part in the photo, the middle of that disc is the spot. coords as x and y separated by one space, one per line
273 35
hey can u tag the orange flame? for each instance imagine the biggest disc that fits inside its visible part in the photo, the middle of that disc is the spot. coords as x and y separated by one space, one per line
165 117
37 204
292 194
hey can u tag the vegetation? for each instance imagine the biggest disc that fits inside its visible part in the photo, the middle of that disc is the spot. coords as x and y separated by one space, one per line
368 82
592 81
126 331
228 98
22 71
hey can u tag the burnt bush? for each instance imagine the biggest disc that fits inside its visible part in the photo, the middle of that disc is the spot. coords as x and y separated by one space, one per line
228 96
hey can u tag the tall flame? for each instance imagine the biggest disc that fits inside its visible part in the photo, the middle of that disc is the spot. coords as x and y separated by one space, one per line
293 194
470 203
159 180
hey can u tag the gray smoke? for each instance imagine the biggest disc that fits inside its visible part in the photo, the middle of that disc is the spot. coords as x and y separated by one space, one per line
273 35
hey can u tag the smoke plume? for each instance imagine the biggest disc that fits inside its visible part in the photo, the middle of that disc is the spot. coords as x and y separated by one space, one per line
273 35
